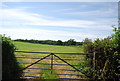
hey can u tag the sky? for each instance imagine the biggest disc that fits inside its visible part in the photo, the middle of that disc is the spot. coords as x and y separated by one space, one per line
59 0
58 20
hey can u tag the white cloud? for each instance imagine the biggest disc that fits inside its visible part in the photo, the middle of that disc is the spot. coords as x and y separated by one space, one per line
40 34
106 12
19 16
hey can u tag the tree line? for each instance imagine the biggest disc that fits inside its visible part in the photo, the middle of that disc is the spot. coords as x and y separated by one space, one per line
52 42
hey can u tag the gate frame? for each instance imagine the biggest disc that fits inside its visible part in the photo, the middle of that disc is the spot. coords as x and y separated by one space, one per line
52 55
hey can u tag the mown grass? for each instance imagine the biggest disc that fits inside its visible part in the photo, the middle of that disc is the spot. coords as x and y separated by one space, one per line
22 46
48 48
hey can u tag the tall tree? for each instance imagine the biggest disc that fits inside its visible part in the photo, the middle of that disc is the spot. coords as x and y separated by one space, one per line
59 42
87 40
71 42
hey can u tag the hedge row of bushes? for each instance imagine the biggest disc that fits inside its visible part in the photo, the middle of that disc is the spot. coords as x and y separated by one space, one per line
10 67
104 59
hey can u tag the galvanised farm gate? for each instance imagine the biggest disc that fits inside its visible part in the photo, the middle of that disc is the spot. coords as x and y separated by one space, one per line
64 65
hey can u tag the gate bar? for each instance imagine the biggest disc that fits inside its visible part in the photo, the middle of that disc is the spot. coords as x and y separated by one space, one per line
33 52
47 58
54 53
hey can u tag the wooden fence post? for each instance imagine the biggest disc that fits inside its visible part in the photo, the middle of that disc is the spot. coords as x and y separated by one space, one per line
94 60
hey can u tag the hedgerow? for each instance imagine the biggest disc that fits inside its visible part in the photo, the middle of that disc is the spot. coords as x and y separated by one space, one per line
10 67
104 59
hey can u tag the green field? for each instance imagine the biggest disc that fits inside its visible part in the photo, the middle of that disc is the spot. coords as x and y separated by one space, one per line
23 46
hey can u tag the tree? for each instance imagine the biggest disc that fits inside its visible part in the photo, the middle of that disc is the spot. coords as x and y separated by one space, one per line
59 42
87 40
116 38
71 42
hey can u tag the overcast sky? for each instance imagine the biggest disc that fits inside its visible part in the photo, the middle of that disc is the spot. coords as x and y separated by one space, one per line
58 20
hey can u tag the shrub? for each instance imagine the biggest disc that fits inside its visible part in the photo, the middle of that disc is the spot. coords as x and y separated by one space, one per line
104 60
10 67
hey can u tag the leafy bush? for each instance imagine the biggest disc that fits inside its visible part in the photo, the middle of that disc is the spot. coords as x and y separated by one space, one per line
10 67
104 59
116 38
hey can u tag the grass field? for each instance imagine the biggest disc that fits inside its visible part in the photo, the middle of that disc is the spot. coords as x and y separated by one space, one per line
22 46
47 48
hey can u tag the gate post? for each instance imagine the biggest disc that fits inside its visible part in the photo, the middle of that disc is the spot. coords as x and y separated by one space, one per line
94 60
51 62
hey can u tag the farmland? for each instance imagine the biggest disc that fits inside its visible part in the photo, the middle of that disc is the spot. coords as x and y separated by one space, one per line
47 48
22 46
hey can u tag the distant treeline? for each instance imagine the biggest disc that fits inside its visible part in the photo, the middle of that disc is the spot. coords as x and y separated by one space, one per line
52 42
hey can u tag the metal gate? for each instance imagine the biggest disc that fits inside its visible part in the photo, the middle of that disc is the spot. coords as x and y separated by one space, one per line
73 70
